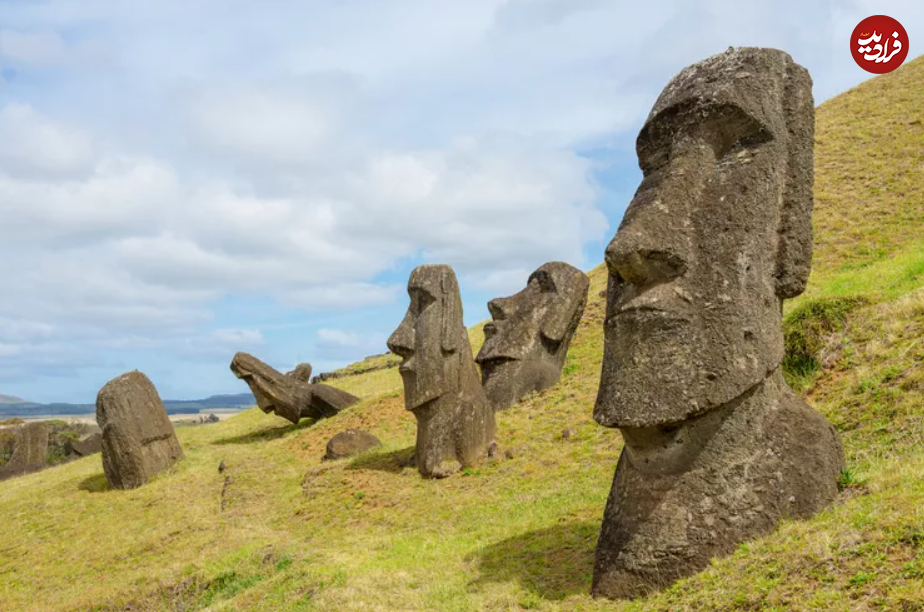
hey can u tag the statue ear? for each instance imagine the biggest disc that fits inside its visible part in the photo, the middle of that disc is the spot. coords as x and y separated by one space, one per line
794 250
451 312
559 321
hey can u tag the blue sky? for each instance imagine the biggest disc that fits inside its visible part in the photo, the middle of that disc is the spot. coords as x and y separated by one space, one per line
180 180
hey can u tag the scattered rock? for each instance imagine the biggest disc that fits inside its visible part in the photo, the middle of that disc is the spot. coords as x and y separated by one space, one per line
138 438
269 557
445 469
567 433
222 467
30 450
511 453
88 445
349 443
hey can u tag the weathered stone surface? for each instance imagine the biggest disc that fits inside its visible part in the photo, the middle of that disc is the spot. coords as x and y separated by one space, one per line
290 395
350 442
30 451
138 438
527 341
455 422
718 449
88 445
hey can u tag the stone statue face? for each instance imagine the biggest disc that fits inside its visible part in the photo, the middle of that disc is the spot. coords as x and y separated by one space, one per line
716 235
429 336
526 342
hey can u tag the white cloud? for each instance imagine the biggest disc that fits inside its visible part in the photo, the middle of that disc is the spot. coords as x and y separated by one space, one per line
237 336
338 344
31 48
305 156
337 296
32 146
337 338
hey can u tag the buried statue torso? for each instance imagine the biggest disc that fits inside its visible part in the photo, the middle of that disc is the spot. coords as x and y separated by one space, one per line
684 495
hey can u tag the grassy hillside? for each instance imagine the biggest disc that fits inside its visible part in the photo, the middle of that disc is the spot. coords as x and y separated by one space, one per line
280 530
11 399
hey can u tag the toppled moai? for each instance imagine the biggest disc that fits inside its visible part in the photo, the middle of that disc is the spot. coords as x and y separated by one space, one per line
718 449
88 445
290 395
527 340
30 451
138 437
455 421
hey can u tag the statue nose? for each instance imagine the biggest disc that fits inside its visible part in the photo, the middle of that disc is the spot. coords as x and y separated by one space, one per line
642 264
401 342
499 308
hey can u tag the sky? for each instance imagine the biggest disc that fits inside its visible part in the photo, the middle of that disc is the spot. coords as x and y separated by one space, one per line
184 179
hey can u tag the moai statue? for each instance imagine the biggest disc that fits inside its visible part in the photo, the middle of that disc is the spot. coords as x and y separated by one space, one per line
30 451
138 437
526 343
455 422
290 395
717 448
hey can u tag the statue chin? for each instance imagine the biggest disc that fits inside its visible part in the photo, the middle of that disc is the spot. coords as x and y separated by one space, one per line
667 450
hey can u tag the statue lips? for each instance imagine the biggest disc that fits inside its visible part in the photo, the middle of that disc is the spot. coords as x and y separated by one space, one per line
641 308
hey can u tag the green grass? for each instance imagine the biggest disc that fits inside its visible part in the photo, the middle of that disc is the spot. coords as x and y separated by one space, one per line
281 530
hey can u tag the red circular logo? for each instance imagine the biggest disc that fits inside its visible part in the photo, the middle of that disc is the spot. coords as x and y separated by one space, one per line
879 44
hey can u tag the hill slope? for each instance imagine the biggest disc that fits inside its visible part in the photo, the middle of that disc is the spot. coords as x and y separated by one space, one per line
279 530
11 399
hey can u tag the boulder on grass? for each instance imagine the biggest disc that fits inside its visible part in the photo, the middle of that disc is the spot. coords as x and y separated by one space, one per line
350 442
138 439
30 450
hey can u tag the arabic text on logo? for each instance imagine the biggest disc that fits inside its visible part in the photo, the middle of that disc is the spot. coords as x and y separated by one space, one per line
879 44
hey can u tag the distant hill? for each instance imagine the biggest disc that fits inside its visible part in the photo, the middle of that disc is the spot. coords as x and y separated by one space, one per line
11 399
22 408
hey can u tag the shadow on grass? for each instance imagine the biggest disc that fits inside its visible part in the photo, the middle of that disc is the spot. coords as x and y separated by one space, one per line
393 462
94 484
552 563
270 433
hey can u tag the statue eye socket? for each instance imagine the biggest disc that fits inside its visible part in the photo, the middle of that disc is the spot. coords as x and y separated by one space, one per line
726 128
545 282
422 298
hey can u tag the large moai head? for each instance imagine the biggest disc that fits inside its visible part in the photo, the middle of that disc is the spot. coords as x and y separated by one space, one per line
717 448
527 340
430 336
717 235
